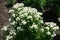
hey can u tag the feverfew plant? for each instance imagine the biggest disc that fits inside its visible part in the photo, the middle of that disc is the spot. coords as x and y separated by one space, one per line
26 23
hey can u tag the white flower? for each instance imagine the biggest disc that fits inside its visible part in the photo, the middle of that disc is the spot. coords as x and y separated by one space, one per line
17 19
42 30
37 16
51 24
9 19
26 14
19 29
13 15
24 22
34 26
21 5
56 28
19 9
48 33
21 16
30 10
41 21
39 13
7 25
34 10
25 9
47 23
4 28
59 19
13 23
41 18
11 11
20 12
29 17
16 5
9 37
47 28
13 32
53 35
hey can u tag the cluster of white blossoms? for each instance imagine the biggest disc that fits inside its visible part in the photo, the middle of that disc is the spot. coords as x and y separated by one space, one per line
24 14
59 19
51 27
19 29
17 5
27 17
8 37
4 28
11 35
34 26
12 32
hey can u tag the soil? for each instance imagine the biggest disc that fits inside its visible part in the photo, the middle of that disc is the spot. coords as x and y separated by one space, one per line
4 16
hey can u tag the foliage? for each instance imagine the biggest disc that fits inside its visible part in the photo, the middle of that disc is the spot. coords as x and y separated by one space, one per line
42 5
26 23
11 2
39 4
54 4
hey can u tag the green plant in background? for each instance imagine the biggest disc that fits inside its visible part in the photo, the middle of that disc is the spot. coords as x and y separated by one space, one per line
11 2
39 4
58 11
26 23
54 5
42 5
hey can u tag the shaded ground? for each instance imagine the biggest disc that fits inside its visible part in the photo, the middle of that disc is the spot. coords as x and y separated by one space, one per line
3 16
4 19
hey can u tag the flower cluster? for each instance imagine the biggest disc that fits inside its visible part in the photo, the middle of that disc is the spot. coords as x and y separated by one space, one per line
59 19
26 23
51 27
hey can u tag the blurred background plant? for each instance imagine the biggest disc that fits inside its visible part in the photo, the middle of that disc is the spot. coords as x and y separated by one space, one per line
54 5
41 5
11 2
38 4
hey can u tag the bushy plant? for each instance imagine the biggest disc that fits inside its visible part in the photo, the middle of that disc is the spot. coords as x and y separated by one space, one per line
26 23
